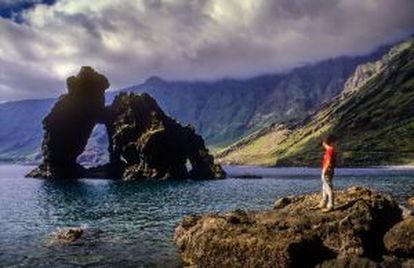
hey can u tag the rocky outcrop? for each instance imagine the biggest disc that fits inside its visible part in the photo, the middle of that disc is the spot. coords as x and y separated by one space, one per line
295 234
364 72
68 235
144 142
70 123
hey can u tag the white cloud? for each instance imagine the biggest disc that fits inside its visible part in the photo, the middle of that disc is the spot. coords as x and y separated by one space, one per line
130 40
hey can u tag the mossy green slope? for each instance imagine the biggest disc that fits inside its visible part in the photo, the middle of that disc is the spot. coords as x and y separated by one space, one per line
373 122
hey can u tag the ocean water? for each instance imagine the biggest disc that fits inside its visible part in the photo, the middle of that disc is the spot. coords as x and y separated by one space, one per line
131 224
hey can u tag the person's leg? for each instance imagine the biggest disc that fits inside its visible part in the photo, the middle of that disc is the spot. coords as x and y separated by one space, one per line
324 199
329 192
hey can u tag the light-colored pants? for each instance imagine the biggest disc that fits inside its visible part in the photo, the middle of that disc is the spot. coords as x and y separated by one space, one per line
327 191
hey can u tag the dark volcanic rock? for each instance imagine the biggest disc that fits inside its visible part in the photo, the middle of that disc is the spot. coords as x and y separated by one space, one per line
144 142
70 123
294 235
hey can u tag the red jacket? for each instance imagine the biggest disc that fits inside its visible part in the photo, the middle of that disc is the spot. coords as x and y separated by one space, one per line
329 159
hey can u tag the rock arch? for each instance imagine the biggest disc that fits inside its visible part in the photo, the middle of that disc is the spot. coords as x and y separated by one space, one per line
144 142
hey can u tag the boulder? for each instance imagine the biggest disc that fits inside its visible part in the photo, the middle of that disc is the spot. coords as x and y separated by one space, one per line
68 237
399 240
297 234
69 234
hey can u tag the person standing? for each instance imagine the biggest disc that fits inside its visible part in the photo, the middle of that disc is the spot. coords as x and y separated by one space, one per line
328 167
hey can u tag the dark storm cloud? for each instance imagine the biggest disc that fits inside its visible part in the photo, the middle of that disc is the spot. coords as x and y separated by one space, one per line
131 40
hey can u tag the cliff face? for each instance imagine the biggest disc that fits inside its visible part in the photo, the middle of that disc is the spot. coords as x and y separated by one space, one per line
365 72
372 119
297 234
144 143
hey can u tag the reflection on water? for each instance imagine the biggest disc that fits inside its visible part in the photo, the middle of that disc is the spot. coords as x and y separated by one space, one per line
132 223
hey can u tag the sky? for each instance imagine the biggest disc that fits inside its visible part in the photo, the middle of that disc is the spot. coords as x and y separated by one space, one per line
44 42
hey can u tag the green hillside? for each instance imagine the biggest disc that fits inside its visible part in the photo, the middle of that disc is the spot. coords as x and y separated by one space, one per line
373 120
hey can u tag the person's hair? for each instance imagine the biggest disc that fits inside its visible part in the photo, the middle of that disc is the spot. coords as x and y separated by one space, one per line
330 139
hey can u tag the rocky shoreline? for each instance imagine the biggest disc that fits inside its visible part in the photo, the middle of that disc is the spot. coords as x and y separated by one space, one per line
367 229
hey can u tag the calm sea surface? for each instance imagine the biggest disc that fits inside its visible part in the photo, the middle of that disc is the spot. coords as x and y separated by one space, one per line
131 224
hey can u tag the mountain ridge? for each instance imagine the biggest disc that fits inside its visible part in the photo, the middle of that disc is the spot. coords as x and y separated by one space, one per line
221 111
372 119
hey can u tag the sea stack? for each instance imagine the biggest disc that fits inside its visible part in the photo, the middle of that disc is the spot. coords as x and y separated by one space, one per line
70 123
144 142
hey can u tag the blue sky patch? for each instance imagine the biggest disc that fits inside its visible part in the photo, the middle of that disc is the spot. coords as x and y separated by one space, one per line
11 9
